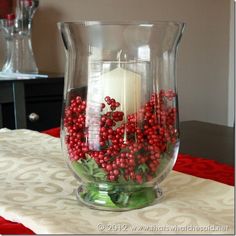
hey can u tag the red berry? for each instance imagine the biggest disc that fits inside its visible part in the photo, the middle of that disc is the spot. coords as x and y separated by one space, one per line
112 177
107 98
139 179
109 167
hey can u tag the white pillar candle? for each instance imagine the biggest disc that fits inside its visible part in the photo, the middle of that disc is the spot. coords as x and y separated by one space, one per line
125 87
122 85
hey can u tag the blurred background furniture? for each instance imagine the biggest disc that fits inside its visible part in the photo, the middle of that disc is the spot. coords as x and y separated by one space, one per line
6 7
211 141
31 103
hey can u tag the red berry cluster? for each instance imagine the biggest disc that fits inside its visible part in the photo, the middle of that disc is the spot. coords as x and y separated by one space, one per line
128 150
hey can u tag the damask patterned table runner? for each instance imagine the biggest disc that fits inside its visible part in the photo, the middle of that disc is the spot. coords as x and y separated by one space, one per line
37 189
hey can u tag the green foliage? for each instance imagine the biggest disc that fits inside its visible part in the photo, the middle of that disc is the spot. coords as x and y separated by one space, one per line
121 199
170 148
135 198
118 195
141 198
93 195
87 169
143 167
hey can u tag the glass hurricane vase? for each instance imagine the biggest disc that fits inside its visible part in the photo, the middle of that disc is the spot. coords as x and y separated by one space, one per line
119 131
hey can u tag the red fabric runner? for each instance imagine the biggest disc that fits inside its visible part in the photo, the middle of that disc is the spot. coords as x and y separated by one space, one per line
5 7
8 227
205 168
197 166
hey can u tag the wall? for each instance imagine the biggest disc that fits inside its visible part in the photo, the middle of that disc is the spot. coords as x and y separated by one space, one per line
232 65
203 60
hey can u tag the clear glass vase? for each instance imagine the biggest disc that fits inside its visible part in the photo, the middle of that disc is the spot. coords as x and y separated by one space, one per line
16 30
120 131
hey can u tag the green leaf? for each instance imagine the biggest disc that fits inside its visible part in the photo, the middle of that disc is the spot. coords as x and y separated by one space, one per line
94 195
92 163
81 170
123 199
143 167
135 198
121 179
170 148
120 198
89 170
142 198
100 175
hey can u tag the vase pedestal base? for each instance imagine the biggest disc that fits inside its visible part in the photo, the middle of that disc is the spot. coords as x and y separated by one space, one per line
111 197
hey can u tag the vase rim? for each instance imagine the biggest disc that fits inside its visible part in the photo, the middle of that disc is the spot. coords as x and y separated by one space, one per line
132 22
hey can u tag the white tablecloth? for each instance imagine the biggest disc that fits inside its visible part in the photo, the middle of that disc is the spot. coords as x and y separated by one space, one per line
37 189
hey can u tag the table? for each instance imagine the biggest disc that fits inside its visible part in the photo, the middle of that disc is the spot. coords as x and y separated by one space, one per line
35 199
210 141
